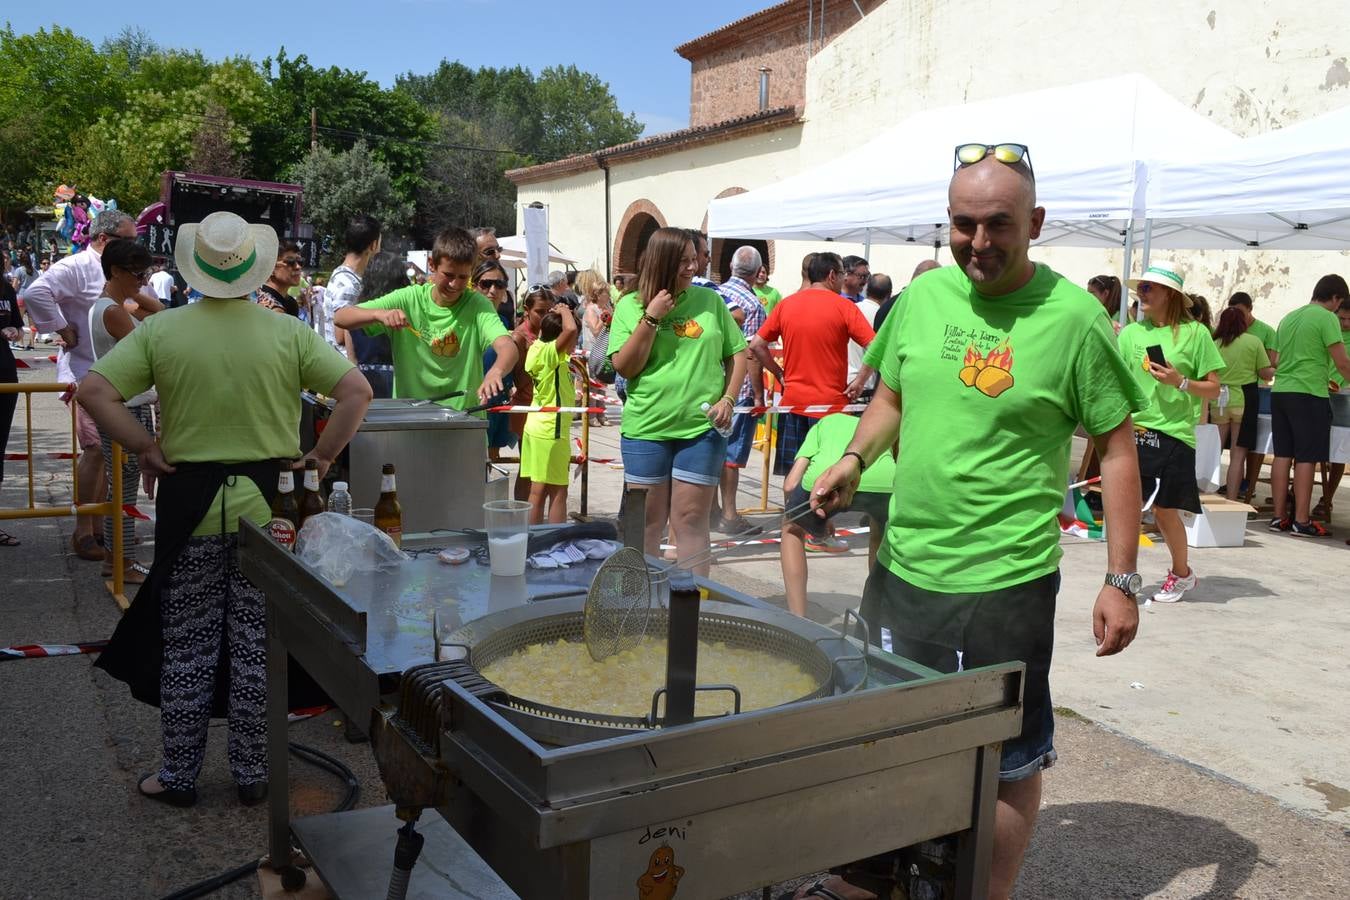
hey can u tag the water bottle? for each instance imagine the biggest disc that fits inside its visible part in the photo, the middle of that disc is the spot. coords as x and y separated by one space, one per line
707 410
340 501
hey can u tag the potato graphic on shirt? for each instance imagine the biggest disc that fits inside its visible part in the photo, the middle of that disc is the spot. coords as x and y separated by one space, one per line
662 878
989 374
689 328
446 345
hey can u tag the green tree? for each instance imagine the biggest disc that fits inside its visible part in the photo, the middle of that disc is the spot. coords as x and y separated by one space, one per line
341 184
350 108
578 114
54 85
132 46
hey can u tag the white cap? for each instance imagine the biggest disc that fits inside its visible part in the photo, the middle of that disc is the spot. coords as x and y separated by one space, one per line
339 485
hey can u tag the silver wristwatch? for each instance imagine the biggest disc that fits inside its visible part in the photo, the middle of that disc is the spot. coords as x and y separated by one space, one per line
1129 584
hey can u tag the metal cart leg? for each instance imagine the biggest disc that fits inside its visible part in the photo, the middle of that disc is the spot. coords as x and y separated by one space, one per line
975 849
278 775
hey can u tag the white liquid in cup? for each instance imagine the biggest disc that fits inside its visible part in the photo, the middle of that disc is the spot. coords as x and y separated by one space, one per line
508 554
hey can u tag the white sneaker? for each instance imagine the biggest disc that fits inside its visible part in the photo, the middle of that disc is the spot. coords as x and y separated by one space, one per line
1174 586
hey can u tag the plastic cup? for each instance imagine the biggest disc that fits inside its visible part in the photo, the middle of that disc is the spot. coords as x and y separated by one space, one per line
508 535
364 515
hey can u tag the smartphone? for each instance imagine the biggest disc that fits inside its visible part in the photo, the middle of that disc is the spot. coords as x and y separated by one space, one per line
1155 355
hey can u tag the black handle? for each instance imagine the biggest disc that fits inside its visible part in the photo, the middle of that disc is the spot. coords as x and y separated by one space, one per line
681 649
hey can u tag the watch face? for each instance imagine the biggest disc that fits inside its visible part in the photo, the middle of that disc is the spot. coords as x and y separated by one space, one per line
1134 583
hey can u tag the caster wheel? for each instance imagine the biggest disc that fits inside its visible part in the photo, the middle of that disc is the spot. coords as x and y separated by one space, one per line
292 878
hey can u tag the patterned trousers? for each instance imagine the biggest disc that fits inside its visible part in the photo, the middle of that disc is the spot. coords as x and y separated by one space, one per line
206 595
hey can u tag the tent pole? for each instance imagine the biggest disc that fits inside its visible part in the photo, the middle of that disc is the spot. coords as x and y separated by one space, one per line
1148 241
1124 291
867 243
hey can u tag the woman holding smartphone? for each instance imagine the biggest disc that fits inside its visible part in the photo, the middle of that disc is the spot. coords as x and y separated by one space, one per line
1176 365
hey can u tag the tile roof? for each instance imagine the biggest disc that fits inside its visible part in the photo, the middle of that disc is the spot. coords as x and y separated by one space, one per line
756 18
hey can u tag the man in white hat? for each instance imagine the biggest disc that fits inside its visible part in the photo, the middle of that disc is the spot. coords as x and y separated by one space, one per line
229 375
986 369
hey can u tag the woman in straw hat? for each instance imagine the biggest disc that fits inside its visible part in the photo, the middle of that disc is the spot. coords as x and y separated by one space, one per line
1176 365
229 376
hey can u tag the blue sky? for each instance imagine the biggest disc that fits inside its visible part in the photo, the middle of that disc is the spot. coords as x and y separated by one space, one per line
628 43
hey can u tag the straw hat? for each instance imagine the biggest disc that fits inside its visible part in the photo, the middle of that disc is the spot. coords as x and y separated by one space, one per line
224 256
1163 273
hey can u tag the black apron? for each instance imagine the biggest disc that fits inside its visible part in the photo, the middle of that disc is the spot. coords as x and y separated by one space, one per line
135 653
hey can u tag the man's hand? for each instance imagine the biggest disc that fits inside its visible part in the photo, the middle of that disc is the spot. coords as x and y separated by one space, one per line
148 482
69 339
835 487
153 463
1115 620
855 388
10 334
393 319
324 464
492 387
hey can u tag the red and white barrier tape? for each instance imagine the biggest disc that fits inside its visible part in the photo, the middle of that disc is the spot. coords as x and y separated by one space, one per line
19 457
582 455
38 651
817 409
547 409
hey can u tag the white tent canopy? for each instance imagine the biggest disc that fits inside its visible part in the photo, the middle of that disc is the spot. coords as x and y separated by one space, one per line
1285 189
513 248
1090 179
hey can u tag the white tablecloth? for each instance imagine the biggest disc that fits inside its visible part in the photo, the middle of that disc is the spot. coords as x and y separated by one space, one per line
1207 455
1340 441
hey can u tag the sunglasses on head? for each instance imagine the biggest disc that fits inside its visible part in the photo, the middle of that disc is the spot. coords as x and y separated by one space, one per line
1008 154
493 283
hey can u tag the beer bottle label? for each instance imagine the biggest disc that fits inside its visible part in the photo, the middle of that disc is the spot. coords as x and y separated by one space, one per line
387 484
282 531
311 479
286 483
395 532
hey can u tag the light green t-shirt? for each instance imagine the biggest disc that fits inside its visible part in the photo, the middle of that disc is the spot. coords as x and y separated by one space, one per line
1334 373
459 334
1264 333
825 444
768 297
1302 342
229 375
991 389
547 367
1242 359
1191 351
684 369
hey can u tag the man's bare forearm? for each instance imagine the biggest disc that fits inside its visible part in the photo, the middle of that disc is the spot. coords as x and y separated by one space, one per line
352 394
1120 496
104 405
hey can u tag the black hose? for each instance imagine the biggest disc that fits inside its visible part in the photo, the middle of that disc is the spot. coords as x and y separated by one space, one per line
315 758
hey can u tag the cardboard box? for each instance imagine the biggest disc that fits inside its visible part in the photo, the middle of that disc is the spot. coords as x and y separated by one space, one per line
1222 524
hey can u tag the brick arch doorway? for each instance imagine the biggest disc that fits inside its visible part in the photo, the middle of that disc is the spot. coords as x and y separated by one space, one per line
720 250
640 221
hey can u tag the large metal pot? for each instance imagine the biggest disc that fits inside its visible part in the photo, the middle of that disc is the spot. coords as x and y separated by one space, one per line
834 662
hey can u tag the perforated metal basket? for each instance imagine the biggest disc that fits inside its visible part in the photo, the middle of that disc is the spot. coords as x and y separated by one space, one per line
832 662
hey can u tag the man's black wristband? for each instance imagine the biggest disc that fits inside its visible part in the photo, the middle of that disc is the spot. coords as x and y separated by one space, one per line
862 463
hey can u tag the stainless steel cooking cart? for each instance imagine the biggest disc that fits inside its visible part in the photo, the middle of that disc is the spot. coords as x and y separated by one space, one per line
706 809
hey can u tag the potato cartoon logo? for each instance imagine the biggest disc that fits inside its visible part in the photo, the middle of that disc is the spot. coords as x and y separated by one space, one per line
662 878
446 345
991 374
689 328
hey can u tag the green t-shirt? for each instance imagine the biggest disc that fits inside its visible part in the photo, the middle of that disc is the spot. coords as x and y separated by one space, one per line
547 368
684 369
1264 332
768 297
1242 359
458 334
825 444
991 389
229 375
1191 352
1302 342
1334 374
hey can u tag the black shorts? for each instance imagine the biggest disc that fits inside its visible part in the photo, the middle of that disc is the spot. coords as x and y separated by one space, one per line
953 632
1167 470
1251 412
792 429
876 506
1300 426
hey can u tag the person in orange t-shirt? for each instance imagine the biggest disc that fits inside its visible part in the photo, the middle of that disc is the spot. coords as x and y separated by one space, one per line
815 324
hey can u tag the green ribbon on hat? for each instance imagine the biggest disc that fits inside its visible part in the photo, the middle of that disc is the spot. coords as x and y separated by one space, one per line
226 275
1167 273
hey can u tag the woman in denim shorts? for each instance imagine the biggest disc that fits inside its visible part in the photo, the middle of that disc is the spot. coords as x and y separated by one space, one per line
679 348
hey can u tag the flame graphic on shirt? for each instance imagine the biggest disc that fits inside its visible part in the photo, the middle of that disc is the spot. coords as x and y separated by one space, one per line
991 373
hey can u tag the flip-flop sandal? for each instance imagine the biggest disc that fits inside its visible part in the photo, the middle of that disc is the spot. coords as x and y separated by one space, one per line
133 572
87 547
8 540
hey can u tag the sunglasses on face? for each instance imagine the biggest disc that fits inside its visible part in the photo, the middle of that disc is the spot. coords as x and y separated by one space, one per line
290 263
1008 154
492 251
491 283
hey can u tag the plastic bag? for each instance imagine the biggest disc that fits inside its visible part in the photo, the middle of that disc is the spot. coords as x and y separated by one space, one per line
338 546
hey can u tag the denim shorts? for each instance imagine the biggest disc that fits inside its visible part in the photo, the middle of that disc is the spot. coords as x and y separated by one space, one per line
695 460
742 439
954 632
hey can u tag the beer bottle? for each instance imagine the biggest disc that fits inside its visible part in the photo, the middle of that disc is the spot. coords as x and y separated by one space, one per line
388 514
285 511
311 502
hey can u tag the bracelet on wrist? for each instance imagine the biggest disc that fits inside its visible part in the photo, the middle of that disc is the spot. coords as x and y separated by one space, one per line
1185 383
651 320
730 399
862 463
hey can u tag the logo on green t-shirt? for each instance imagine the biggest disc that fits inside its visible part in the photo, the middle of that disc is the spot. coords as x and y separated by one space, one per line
990 373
